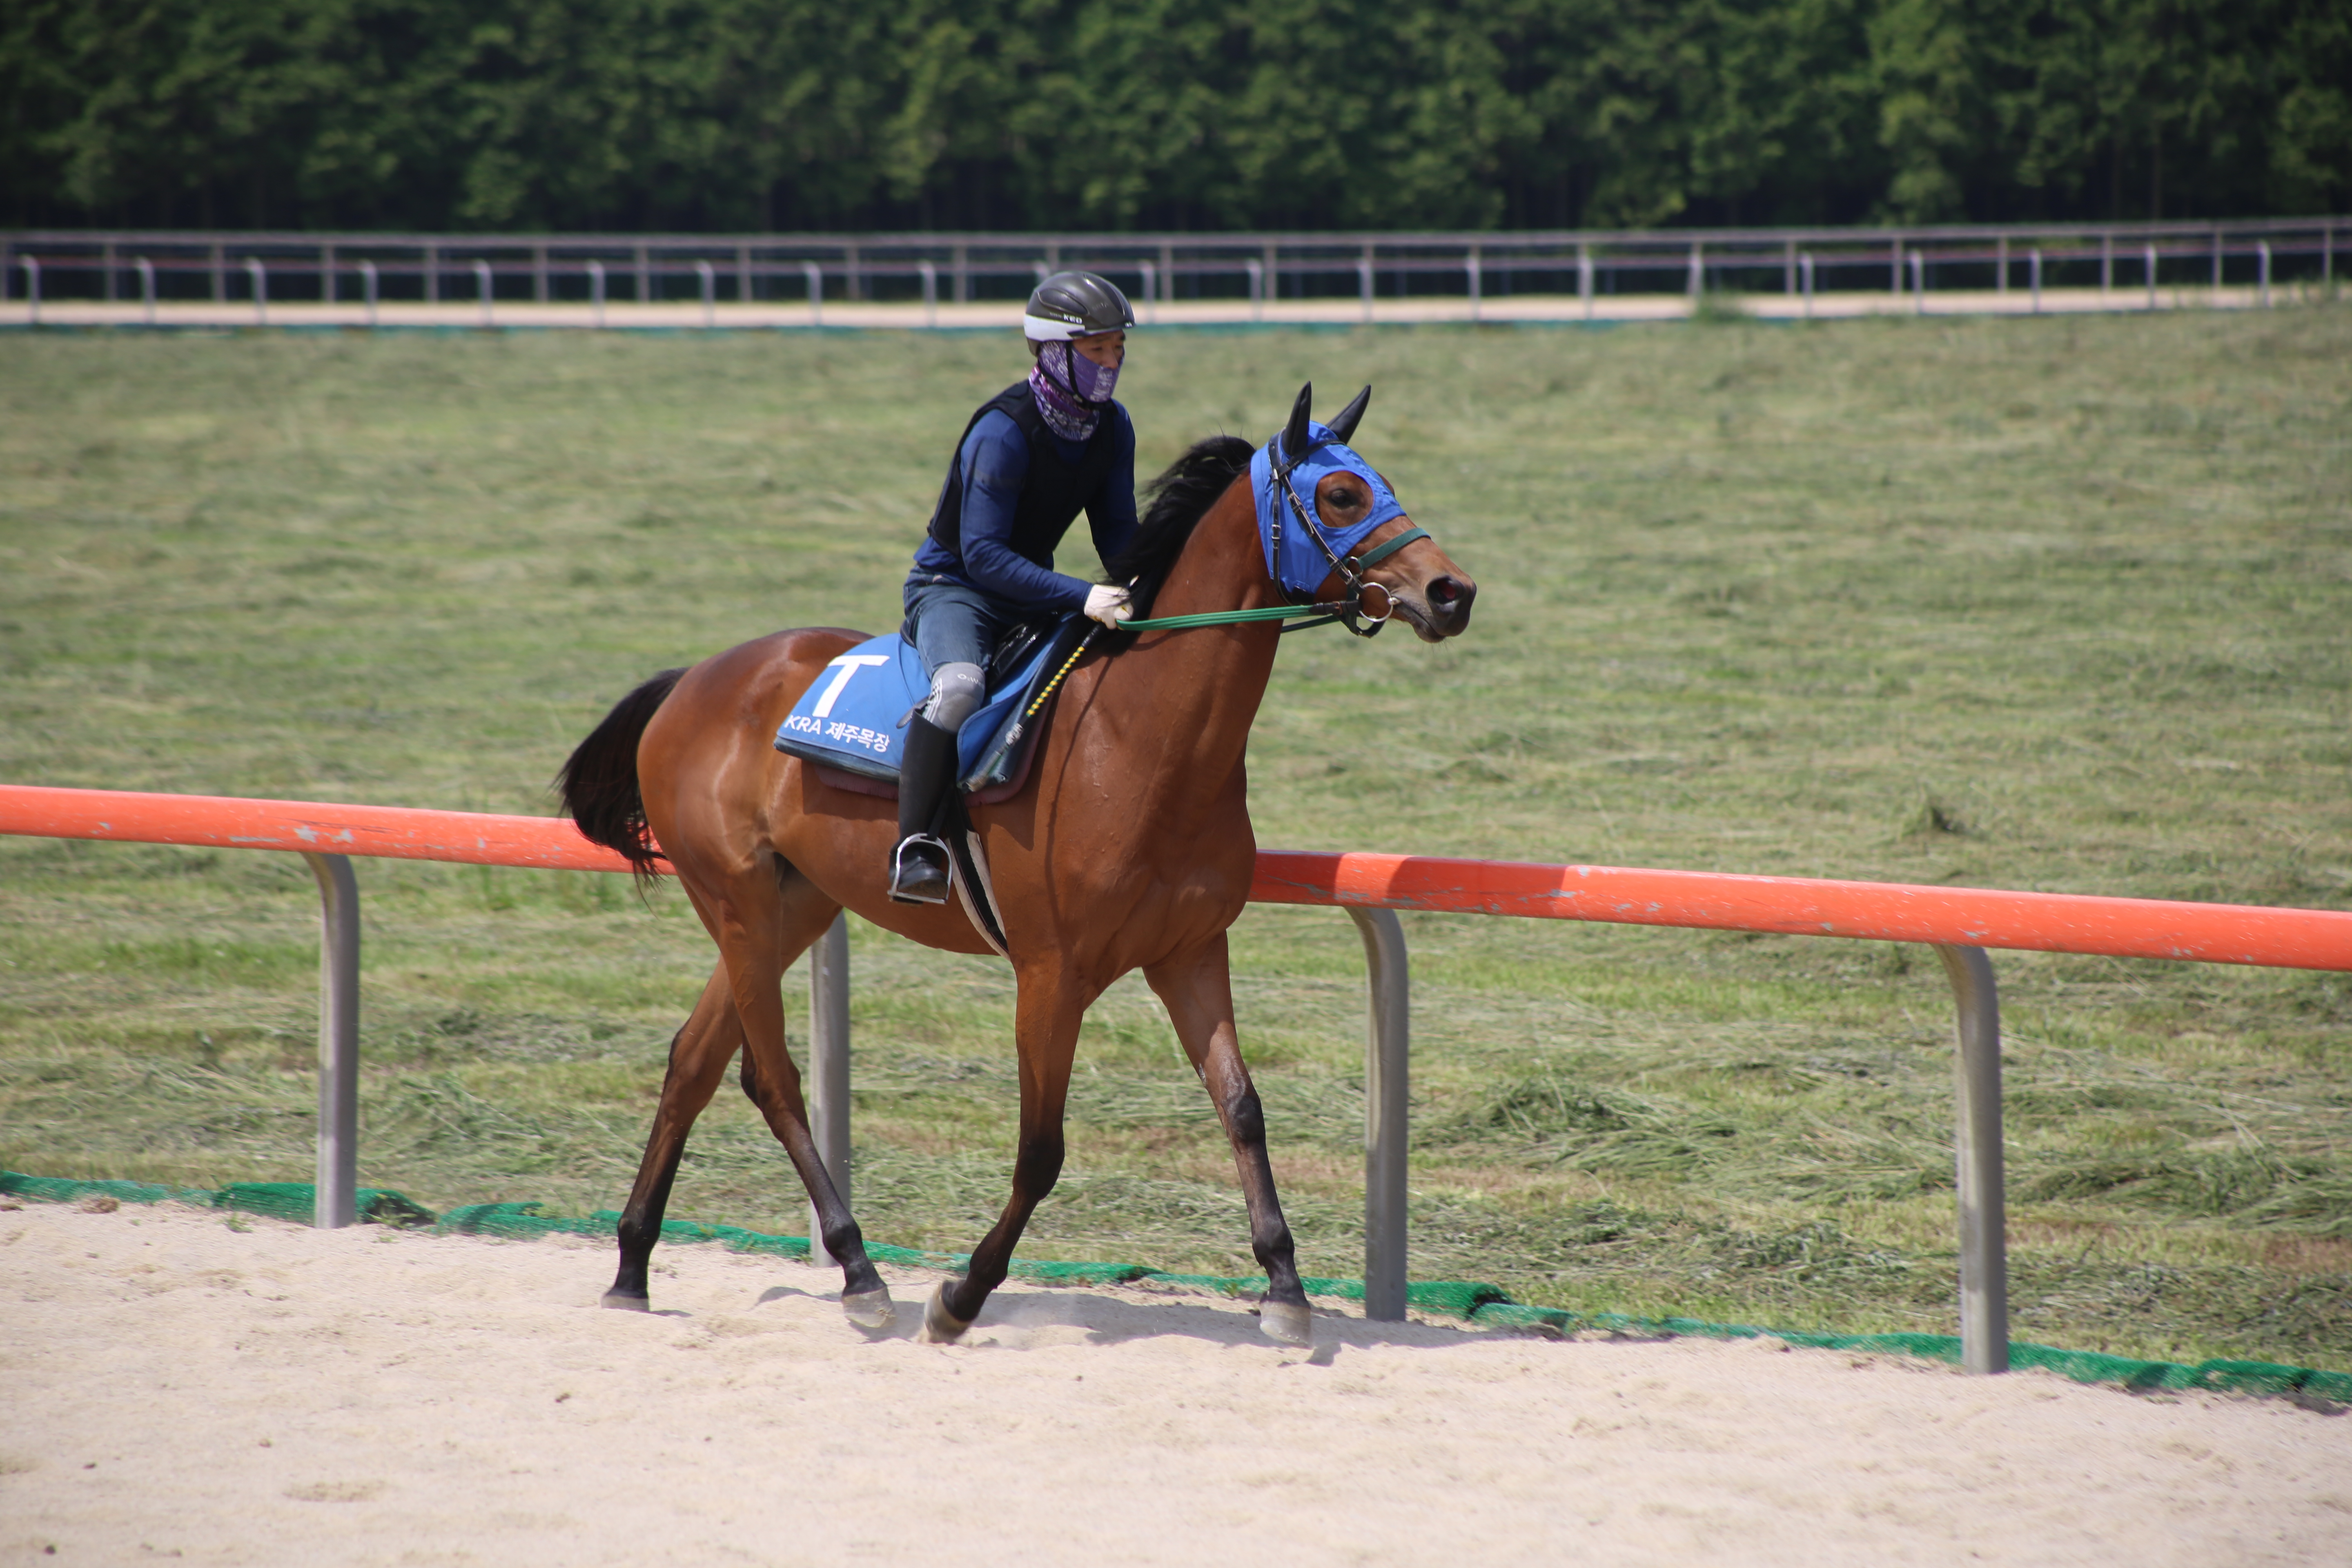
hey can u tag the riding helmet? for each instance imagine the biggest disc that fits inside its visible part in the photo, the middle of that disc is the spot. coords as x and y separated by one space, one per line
1075 305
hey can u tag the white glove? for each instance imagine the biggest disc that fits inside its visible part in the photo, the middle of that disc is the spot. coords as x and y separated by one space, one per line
1108 605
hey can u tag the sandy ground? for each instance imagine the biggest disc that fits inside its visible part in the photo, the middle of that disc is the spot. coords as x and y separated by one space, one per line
171 1386
1005 315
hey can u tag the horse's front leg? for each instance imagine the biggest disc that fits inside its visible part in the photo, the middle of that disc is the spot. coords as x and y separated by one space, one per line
1197 989
698 1055
1045 1026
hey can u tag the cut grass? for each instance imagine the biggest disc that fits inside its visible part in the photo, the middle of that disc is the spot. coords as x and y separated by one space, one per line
2063 604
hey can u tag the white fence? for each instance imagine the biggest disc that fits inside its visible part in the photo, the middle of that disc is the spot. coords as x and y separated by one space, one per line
1255 276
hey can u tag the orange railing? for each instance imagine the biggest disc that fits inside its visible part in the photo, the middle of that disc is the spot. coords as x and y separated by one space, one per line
1958 922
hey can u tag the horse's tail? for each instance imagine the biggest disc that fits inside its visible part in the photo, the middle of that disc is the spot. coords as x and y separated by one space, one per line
598 782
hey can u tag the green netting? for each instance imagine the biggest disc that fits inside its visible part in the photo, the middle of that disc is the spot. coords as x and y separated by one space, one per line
298 1202
294 1201
1487 1306
58 1190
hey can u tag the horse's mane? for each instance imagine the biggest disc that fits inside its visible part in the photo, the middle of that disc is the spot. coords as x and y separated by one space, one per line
1181 497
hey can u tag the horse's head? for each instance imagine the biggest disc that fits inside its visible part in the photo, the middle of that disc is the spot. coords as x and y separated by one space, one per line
1334 529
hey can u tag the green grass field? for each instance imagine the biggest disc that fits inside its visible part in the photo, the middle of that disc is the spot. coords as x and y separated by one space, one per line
2057 604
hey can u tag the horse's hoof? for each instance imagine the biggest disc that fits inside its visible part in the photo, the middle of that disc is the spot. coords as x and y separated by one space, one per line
869 1310
941 1327
1286 1324
621 1301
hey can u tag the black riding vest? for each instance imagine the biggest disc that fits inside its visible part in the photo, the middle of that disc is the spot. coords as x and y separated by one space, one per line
1050 497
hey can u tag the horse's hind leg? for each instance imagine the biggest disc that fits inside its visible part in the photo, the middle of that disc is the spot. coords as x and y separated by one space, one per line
758 939
1197 989
698 1055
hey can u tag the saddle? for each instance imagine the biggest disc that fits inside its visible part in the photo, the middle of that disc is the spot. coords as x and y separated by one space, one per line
850 724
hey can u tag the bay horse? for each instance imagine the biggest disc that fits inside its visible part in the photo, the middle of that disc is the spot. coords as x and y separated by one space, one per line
1129 846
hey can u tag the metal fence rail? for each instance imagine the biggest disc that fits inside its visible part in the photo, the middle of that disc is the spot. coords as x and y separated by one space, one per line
143 270
1958 922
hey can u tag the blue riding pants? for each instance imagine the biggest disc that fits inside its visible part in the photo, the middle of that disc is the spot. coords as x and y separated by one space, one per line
950 623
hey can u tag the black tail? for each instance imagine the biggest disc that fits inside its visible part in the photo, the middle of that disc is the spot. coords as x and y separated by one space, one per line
598 782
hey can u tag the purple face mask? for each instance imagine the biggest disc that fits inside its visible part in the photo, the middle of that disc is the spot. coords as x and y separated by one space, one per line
1071 390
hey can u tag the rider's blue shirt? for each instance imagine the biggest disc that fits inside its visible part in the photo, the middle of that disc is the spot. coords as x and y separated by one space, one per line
992 466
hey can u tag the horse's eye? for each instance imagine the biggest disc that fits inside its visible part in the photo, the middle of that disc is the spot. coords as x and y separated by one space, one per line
1345 499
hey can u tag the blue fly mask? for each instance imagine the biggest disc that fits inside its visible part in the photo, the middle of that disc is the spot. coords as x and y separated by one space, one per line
1301 551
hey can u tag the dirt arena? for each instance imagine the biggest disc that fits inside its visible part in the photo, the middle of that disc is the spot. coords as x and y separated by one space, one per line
174 1387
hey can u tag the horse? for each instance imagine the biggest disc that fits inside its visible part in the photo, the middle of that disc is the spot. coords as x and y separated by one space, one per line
1128 848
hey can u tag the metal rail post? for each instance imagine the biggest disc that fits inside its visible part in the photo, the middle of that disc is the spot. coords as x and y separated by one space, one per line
339 1041
2263 249
1918 284
1387 1063
1256 270
1984 1222
258 277
147 287
368 278
1805 266
2036 267
32 265
828 1097
1697 282
482 288
705 274
2106 264
814 274
2001 268
931 275
1477 282
2149 257
1584 277
596 290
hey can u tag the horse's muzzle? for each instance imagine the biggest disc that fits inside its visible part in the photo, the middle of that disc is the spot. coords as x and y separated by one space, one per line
1441 609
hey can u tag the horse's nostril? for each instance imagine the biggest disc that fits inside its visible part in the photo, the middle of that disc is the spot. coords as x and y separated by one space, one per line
1443 592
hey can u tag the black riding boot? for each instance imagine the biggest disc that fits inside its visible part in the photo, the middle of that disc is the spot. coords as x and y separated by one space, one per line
918 866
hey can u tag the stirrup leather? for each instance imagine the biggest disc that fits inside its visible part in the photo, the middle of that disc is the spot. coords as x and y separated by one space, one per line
918 870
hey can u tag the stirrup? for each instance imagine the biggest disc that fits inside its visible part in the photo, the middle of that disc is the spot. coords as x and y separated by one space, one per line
918 870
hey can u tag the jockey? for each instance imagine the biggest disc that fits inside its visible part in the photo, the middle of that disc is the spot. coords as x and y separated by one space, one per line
1030 459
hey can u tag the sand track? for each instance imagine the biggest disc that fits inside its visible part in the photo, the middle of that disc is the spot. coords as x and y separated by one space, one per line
172 1386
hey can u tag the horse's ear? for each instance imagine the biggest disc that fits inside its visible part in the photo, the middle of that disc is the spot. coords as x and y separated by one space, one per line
1344 426
1294 434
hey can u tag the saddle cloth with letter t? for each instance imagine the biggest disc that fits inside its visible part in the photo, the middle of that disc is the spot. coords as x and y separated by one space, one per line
853 716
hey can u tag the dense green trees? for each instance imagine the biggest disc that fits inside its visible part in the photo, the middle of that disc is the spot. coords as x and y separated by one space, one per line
740 114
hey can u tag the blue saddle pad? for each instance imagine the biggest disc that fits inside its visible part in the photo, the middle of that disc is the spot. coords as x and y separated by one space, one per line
853 716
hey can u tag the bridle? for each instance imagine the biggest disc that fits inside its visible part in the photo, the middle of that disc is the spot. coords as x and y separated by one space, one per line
1353 612
1348 611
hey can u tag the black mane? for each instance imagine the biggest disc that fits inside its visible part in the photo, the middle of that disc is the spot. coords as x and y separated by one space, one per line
1181 497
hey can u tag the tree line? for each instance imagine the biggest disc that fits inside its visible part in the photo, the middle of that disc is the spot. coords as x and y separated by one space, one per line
717 115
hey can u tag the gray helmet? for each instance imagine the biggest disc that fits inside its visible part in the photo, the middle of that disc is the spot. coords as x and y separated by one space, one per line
1075 305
